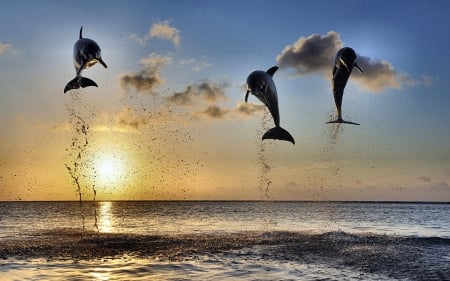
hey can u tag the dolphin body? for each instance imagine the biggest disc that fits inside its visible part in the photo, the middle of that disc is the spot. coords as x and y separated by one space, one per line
86 53
343 64
261 85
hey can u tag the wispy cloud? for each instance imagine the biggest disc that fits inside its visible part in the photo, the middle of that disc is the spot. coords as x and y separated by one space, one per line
127 118
162 30
195 65
241 111
246 110
147 79
4 47
315 54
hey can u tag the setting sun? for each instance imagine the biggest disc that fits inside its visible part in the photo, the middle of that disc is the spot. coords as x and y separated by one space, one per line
109 169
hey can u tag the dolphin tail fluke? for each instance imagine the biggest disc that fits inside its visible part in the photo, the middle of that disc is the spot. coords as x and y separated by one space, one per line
278 133
86 82
73 84
342 121
78 82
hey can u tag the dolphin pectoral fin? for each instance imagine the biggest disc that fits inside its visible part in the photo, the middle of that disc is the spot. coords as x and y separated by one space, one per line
278 133
102 63
271 71
73 84
246 95
359 68
86 82
342 121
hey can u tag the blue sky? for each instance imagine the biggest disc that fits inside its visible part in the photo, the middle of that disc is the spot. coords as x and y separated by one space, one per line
400 152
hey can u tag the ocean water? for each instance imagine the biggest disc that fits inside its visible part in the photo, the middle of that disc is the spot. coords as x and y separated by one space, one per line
224 240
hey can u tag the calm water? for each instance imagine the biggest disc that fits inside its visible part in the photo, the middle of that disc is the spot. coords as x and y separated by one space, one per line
224 241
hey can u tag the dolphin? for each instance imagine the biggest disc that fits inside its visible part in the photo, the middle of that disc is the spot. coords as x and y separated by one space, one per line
86 53
261 85
343 64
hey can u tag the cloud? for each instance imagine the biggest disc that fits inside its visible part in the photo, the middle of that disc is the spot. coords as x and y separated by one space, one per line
316 53
311 54
441 187
127 118
378 75
149 77
245 109
204 91
163 30
425 179
204 100
215 112
241 111
195 65
4 47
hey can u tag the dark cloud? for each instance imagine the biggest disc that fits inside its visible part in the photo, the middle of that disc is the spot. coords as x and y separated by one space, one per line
204 99
143 81
181 98
149 77
311 54
425 179
241 111
316 53
215 112
203 91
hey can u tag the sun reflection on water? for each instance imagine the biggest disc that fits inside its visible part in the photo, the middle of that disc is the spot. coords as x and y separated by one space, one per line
105 217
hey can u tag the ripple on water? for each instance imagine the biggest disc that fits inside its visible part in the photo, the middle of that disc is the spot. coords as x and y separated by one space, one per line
243 255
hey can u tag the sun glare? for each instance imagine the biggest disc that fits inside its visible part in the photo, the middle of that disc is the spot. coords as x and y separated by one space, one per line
109 169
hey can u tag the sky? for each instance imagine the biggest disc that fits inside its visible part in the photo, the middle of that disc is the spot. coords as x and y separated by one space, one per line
168 119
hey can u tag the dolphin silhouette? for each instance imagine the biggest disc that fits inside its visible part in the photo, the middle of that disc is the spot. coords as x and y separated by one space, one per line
86 53
261 85
343 65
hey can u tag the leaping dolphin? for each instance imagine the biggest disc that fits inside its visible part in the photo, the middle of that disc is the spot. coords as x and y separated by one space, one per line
261 85
343 64
86 53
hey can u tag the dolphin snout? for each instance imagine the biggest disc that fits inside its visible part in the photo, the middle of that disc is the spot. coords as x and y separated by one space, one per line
102 62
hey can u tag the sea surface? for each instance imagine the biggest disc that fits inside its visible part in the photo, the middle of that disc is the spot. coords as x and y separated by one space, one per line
224 240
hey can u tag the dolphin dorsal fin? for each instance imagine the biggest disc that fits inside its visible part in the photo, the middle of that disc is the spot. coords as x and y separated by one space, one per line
81 31
272 70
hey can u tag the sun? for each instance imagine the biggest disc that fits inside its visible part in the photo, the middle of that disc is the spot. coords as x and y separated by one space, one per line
110 169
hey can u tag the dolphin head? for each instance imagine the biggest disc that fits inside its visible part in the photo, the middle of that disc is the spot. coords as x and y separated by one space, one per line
257 83
91 52
346 57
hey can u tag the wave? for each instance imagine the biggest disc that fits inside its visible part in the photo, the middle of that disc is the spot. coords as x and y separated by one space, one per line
394 256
